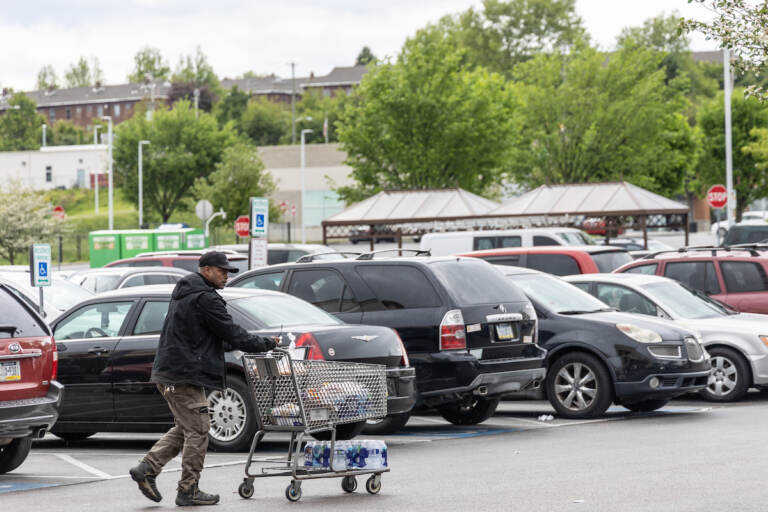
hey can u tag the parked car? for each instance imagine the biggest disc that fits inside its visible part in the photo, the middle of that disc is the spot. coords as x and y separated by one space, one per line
444 244
98 280
749 232
57 298
287 253
737 277
636 246
721 228
30 395
735 341
107 346
383 234
597 226
597 355
560 261
186 261
470 335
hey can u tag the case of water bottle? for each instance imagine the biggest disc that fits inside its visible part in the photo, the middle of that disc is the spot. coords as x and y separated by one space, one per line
369 454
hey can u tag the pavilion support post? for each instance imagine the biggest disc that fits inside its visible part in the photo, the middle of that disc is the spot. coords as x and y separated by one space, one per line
325 235
687 229
644 224
608 222
373 237
400 240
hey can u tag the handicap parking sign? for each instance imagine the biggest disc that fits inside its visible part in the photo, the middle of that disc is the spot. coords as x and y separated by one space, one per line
40 264
42 268
260 220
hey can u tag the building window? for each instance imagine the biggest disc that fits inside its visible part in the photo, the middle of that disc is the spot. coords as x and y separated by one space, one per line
89 110
99 111
68 113
48 174
78 112
128 107
117 110
52 115
327 92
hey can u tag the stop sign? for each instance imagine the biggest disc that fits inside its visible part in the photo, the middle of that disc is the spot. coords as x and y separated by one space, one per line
58 212
717 196
242 226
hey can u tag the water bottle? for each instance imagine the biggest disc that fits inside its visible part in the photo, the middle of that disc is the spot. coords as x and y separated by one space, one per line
384 461
374 455
308 456
364 454
340 455
353 454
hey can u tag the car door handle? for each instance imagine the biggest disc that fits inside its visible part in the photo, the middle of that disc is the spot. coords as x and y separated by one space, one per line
98 350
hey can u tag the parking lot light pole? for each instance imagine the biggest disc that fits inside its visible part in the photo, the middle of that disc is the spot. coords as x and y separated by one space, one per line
141 189
303 165
98 172
44 127
109 175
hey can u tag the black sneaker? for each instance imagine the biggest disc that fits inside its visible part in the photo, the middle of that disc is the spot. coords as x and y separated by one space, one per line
196 497
145 477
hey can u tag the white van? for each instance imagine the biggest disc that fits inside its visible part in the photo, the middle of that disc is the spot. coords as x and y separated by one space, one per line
457 242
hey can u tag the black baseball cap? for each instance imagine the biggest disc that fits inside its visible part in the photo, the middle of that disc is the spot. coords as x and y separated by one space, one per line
216 259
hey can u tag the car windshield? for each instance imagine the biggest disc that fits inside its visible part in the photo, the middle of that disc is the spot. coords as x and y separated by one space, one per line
746 235
62 294
684 302
98 283
576 238
609 261
275 311
557 295
474 281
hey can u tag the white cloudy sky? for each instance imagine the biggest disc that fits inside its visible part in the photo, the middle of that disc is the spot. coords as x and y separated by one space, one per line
238 35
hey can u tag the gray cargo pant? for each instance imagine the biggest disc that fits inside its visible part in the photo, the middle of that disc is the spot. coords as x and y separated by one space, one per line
189 435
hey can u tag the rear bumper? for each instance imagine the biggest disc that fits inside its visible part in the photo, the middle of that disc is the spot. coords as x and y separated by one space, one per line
401 390
22 418
671 385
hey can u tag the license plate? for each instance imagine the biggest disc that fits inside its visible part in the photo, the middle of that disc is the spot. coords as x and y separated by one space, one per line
504 332
10 371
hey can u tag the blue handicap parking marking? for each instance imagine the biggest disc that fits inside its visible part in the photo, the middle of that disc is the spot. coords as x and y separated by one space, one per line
259 220
43 268
11 486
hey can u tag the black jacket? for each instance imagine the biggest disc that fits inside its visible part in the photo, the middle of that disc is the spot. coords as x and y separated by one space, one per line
196 333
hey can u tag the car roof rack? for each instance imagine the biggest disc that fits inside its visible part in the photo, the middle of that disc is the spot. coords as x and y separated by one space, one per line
308 258
751 248
416 252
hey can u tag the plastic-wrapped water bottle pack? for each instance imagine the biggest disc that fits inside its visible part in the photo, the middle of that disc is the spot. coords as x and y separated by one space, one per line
369 454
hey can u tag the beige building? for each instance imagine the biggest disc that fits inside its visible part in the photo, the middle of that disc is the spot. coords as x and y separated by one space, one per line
55 166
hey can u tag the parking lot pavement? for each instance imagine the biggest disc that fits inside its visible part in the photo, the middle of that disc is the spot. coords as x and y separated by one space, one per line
54 462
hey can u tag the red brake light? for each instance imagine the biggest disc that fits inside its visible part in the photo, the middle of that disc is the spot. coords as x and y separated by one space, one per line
55 359
452 334
404 360
314 352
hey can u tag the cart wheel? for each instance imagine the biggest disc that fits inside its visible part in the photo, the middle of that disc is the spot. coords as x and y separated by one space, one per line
245 490
349 484
373 484
293 492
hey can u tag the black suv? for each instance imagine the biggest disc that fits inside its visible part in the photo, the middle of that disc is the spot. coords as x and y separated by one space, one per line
470 333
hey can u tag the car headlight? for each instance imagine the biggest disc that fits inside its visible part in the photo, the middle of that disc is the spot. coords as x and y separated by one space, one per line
530 311
639 334
764 339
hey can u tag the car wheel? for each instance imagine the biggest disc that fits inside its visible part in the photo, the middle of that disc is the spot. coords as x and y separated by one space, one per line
579 386
646 405
233 417
344 432
12 455
729 379
387 425
73 436
470 412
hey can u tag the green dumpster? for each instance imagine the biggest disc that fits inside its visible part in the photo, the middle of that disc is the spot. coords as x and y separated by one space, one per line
167 239
194 239
104 247
133 242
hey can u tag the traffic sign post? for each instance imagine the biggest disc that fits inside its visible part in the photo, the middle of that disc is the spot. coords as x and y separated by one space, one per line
717 198
242 224
259 230
40 268
58 212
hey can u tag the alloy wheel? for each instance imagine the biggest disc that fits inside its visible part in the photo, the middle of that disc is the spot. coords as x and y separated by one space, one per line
227 411
724 376
576 386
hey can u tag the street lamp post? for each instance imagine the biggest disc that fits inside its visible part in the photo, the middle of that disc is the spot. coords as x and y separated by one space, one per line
98 173
303 165
109 176
44 127
141 186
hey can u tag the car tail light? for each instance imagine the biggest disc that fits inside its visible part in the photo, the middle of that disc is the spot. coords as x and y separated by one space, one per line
55 359
314 352
403 360
452 335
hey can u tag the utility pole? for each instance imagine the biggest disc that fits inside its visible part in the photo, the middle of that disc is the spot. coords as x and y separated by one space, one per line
141 185
197 100
109 176
44 127
293 103
728 86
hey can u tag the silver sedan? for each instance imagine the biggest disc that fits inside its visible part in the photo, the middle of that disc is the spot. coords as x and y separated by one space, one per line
737 342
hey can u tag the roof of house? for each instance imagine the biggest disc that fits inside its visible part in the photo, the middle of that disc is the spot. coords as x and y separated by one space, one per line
94 95
340 75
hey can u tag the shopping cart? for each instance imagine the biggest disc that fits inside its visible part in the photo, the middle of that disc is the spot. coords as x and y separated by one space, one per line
302 397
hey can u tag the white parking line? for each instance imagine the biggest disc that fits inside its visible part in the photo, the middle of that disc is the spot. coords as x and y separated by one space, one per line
82 465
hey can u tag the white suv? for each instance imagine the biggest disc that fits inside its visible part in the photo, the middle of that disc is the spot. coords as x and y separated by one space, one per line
458 242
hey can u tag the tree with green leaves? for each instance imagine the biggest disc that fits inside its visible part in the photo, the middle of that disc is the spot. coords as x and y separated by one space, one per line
195 73
25 218
749 116
232 106
265 122
427 121
148 64
21 125
365 57
182 148
591 120
83 74
239 176
47 78
314 109
66 133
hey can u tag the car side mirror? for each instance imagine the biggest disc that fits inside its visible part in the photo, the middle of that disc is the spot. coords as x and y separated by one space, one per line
662 314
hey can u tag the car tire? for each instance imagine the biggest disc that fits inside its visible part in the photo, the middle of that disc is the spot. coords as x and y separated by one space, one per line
730 377
646 405
12 455
73 436
233 416
584 366
344 432
387 425
477 410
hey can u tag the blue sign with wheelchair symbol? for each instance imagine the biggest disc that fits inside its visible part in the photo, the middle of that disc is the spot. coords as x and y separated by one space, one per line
42 268
259 220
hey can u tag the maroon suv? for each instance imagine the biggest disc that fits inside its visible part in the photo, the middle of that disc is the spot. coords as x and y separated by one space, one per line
737 277
30 398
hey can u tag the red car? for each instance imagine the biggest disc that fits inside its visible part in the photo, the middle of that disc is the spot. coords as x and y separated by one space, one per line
736 277
596 226
30 397
187 262
560 260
